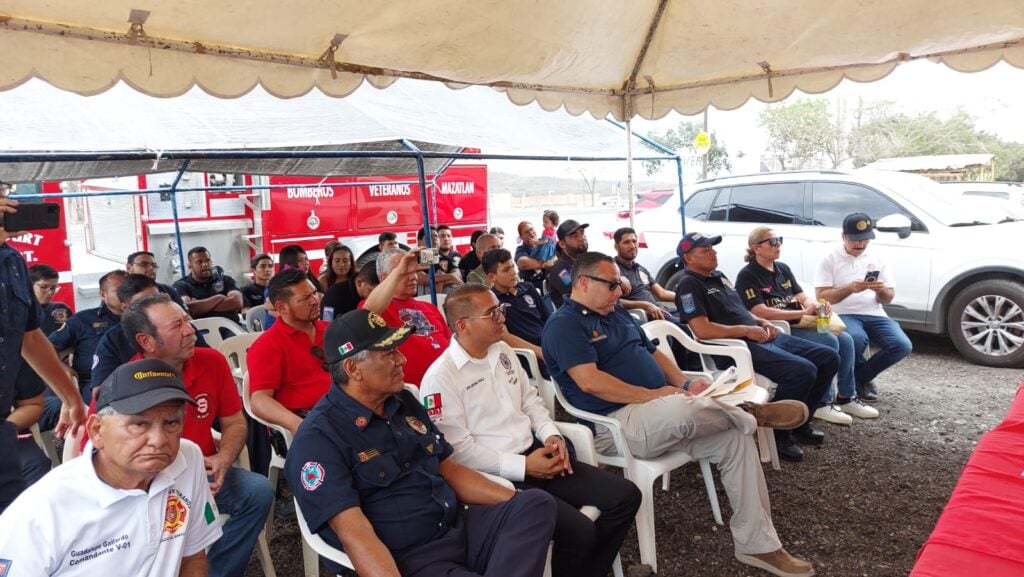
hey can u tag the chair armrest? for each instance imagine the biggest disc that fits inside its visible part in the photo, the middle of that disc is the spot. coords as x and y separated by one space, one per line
498 480
582 439
783 326
317 544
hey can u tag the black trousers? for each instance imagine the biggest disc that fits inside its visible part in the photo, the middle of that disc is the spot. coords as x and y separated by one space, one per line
11 481
586 548
505 540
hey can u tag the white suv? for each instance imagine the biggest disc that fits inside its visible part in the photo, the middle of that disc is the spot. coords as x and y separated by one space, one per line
956 271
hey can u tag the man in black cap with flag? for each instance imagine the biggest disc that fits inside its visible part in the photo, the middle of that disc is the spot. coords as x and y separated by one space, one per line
707 301
372 475
572 242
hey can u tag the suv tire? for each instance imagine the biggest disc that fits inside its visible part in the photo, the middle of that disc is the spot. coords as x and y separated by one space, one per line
986 323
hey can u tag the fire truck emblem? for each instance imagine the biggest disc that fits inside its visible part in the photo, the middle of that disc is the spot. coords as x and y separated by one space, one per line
175 514
392 217
313 221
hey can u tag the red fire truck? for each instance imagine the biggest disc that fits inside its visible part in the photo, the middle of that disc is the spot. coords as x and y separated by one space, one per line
236 224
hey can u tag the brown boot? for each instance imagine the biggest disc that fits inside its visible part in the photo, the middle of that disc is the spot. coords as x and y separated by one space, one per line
785 414
778 563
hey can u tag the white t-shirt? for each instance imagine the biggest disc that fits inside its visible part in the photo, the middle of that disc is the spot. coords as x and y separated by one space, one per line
486 408
71 523
839 268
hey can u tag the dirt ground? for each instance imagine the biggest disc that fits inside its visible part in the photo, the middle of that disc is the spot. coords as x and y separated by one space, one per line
860 505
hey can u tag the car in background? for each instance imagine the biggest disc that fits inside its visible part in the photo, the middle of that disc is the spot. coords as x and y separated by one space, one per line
1008 195
958 271
648 200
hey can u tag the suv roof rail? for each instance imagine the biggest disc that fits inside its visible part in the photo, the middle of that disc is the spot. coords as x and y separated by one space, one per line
803 171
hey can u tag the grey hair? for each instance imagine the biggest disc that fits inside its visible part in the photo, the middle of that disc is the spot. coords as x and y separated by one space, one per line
384 258
107 411
338 374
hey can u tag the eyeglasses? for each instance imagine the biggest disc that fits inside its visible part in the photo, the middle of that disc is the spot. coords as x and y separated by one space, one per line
48 288
494 314
773 241
150 264
612 284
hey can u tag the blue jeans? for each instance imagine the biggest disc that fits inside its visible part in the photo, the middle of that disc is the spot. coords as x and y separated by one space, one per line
247 498
843 344
803 370
882 332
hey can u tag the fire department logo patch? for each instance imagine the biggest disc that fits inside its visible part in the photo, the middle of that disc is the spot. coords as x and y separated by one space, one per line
60 315
202 407
417 425
360 421
218 286
566 276
5 567
505 362
688 303
529 301
175 514
312 476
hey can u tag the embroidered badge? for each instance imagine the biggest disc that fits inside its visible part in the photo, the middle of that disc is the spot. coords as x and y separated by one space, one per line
417 425
863 224
60 315
505 362
209 515
175 514
376 320
432 403
202 407
218 286
529 301
345 348
688 303
430 451
597 337
312 476
5 567
361 421
566 276
368 454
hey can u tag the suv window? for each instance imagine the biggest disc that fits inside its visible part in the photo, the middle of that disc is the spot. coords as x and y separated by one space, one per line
769 203
697 205
832 201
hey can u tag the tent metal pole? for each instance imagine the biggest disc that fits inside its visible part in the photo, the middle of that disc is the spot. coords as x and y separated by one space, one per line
426 213
673 156
38 157
177 221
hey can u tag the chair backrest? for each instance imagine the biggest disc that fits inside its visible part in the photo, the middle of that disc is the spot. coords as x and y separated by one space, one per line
639 314
546 392
440 302
235 348
254 318
247 405
211 329
317 544
623 458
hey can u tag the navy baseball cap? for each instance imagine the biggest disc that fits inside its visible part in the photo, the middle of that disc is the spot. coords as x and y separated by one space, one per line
858 226
361 330
694 240
568 227
135 387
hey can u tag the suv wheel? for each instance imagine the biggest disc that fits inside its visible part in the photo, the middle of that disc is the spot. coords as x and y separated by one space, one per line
986 323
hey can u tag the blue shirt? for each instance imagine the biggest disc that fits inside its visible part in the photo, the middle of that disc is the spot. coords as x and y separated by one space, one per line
19 313
576 335
83 331
345 456
527 313
113 350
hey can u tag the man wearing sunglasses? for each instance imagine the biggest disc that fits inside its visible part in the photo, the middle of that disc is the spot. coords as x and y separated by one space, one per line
480 398
605 364
708 302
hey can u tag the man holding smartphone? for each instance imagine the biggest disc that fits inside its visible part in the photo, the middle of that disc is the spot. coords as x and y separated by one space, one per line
21 338
858 284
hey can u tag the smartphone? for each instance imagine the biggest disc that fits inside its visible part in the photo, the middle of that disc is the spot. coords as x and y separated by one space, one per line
429 256
33 216
872 276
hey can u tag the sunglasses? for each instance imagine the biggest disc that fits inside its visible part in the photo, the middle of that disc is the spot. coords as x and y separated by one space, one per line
773 241
494 314
612 284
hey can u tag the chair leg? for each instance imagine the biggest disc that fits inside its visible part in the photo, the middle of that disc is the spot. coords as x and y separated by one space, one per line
766 446
265 560
310 561
665 480
547 564
709 484
269 529
617 566
645 525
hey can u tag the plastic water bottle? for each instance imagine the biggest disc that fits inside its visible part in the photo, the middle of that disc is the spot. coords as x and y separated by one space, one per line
824 322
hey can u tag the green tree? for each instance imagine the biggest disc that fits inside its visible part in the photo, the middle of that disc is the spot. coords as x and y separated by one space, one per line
680 139
804 134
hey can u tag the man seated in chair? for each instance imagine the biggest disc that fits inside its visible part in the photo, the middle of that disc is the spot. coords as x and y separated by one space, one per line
137 502
371 474
644 292
286 362
605 364
709 303
159 329
480 399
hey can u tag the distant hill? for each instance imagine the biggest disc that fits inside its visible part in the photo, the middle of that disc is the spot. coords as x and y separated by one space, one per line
517 185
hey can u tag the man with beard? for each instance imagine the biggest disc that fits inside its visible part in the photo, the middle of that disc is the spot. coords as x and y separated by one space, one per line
143 262
572 242
160 330
208 293
643 291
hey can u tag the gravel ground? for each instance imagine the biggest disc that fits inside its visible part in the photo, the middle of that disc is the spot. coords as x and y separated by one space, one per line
860 505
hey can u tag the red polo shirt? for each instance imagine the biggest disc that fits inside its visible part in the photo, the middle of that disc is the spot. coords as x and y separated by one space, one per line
427 342
281 360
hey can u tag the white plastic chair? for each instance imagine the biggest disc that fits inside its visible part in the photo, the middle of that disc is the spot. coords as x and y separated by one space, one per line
234 350
276 460
643 472
254 318
737 350
440 302
639 314
210 328
45 443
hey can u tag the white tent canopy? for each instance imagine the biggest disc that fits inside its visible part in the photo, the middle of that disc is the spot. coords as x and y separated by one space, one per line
643 57
40 118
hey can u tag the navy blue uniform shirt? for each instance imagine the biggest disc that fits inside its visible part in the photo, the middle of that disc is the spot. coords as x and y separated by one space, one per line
219 284
345 456
83 331
775 289
713 297
576 335
560 280
527 313
254 295
19 313
169 291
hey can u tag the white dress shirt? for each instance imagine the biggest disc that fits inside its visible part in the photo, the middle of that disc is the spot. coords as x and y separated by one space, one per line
839 268
486 408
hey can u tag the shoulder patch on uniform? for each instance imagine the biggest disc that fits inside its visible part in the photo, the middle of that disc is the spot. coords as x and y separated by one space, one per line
312 476
5 567
566 276
688 303
432 403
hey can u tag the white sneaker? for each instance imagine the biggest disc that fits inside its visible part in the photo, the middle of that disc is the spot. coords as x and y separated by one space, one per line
858 409
832 414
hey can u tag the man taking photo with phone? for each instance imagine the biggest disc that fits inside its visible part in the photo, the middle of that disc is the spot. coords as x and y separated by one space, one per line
857 282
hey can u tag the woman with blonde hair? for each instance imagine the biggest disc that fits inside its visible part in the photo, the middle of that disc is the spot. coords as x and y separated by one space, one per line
769 290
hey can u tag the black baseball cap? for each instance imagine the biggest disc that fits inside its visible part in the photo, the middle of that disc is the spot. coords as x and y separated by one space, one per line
138 386
694 240
858 226
568 227
360 330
